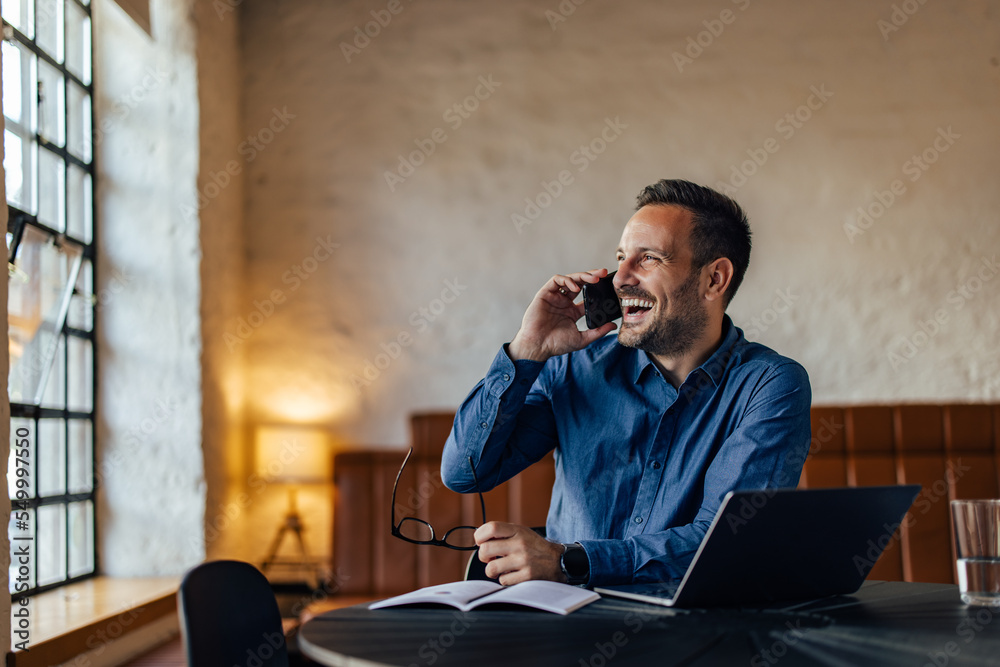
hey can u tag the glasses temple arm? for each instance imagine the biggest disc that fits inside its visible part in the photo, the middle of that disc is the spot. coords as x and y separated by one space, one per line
392 506
475 479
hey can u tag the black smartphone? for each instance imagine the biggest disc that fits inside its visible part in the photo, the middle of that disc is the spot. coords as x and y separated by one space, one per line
600 302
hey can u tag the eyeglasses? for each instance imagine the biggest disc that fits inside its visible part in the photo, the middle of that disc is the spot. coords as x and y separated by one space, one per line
418 531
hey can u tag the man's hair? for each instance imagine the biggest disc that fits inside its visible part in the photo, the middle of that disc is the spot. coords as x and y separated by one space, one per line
719 227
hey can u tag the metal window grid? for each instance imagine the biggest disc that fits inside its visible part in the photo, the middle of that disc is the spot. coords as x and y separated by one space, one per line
18 220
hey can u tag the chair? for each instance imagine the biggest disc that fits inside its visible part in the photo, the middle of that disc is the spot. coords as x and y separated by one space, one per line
229 617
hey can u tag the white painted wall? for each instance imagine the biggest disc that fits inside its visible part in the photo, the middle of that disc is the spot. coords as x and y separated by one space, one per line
151 502
853 300
222 271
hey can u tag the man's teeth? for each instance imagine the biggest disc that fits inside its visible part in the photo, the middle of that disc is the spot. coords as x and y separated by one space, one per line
636 303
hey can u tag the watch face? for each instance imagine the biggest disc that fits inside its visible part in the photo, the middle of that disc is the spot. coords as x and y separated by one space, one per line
575 564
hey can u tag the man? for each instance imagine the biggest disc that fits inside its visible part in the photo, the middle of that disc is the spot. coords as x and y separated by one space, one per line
650 428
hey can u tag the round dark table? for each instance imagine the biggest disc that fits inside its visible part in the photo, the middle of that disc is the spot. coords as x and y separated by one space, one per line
884 623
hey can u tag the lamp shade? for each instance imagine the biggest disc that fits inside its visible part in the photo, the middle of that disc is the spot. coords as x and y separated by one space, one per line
292 454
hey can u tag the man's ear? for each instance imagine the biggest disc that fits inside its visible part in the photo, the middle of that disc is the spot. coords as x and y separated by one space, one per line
718 274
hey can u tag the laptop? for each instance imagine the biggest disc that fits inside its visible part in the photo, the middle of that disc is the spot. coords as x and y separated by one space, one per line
787 544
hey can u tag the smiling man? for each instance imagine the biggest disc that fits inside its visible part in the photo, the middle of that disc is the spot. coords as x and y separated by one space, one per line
652 427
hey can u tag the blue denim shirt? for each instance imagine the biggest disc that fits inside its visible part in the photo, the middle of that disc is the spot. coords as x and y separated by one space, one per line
641 467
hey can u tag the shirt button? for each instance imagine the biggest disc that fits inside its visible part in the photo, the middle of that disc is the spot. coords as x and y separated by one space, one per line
506 377
483 424
656 465
638 519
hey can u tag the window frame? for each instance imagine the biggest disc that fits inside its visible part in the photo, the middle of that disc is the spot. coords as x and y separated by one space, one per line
66 417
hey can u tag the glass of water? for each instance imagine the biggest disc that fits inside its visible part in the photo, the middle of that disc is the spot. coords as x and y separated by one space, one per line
977 547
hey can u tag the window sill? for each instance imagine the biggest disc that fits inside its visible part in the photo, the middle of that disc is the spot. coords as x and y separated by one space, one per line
89 616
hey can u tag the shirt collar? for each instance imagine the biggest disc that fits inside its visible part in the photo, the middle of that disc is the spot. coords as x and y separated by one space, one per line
714 366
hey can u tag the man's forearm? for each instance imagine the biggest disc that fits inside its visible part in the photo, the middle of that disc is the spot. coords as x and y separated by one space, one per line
660 556
486 424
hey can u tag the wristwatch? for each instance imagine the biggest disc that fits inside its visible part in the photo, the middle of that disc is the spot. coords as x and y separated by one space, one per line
575 564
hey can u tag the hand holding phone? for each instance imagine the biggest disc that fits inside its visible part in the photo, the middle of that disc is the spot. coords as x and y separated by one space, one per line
550 324
600 302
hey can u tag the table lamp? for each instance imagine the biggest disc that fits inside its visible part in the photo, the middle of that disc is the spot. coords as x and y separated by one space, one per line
291 455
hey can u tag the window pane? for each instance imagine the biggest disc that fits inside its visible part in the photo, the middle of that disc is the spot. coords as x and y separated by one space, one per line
51 459
51 544
20 530
55 388
51 189
17 82
81 457
80 126
77 41
51 104
81 377
80 209
17 166
22 446
81 538
50 27
81 309
18 14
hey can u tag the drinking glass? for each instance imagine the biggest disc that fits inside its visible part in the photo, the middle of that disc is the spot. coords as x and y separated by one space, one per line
977 548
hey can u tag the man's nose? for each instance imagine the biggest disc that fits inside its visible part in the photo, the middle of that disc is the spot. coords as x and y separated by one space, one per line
624 276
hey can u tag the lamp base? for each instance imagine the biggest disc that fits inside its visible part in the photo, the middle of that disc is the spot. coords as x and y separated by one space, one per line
293 523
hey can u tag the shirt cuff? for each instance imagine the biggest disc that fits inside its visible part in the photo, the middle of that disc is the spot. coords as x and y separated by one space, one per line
515 377
610 562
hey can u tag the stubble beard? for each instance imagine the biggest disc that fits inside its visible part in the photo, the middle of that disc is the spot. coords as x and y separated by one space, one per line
671 335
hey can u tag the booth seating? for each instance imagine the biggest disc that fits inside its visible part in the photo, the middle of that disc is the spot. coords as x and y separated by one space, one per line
952 450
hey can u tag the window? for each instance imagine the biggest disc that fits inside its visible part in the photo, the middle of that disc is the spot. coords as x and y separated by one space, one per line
48 142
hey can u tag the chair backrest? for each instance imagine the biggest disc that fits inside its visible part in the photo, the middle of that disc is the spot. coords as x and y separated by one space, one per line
229 616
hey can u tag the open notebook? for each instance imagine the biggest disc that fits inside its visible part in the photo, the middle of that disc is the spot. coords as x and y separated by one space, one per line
468 595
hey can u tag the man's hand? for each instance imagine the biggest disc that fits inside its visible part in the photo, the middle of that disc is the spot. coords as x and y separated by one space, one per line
549 324
514 553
